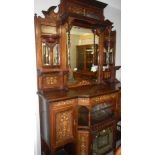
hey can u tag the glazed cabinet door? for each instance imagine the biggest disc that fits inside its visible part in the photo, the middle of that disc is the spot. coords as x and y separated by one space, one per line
63 123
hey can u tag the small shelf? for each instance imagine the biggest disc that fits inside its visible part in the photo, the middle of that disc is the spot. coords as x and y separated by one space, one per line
50 38
49 70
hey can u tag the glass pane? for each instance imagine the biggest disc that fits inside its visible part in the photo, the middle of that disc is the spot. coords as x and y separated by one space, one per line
56 55
101 112
45 54
111 57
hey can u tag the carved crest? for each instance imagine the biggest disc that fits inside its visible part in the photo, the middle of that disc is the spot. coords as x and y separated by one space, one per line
50 14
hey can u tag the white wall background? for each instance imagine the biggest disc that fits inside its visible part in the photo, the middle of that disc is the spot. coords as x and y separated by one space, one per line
112 12
114 15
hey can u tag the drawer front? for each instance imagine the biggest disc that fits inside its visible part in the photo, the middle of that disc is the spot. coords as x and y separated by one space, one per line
63 118
103 98
96 100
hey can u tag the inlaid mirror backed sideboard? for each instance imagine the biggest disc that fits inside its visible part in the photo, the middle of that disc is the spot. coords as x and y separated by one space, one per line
79 94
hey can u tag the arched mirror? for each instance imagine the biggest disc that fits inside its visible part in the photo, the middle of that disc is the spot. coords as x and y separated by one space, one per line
83 53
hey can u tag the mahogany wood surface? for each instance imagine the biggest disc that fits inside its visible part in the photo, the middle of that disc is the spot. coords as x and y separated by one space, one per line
60 98
85 91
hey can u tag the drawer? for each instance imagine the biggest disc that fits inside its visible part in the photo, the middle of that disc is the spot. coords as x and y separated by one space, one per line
103 98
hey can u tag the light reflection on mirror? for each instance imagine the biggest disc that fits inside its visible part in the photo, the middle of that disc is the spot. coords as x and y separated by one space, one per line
83 52
56 55
106 55
45 54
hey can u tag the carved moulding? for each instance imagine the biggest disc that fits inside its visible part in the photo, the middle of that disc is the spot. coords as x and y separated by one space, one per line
51 16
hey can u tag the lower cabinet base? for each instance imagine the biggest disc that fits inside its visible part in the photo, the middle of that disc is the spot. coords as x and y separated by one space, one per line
98 142
68 149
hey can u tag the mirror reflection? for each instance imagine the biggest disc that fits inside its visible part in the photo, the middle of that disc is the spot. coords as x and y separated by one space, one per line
83 53
50 54
109 44
56 53
45 54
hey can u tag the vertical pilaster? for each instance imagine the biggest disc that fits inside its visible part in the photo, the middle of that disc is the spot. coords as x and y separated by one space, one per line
100 57
38 42
63 45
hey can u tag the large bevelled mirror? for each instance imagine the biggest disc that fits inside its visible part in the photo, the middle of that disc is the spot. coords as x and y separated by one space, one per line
83 53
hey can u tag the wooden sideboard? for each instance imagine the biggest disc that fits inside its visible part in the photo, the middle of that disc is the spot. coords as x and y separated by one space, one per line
79 108
63 121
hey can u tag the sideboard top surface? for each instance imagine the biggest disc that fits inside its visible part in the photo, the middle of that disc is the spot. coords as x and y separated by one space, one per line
80 92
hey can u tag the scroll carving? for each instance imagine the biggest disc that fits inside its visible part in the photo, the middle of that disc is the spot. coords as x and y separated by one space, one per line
50 14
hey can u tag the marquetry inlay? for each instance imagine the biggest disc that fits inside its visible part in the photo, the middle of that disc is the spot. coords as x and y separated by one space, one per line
64 126
51 80
103 98
83 101
82 83
83 142
64 102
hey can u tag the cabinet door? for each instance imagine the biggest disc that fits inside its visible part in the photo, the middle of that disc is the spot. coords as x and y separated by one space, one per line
103 141
63 123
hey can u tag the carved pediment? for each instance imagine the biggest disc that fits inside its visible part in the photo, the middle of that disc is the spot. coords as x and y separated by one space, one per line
50 15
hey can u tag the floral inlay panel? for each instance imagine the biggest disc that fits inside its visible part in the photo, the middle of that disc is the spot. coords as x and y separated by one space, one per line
83 140
64 126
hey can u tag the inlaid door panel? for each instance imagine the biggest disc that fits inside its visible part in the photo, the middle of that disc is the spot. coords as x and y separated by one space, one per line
63 125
